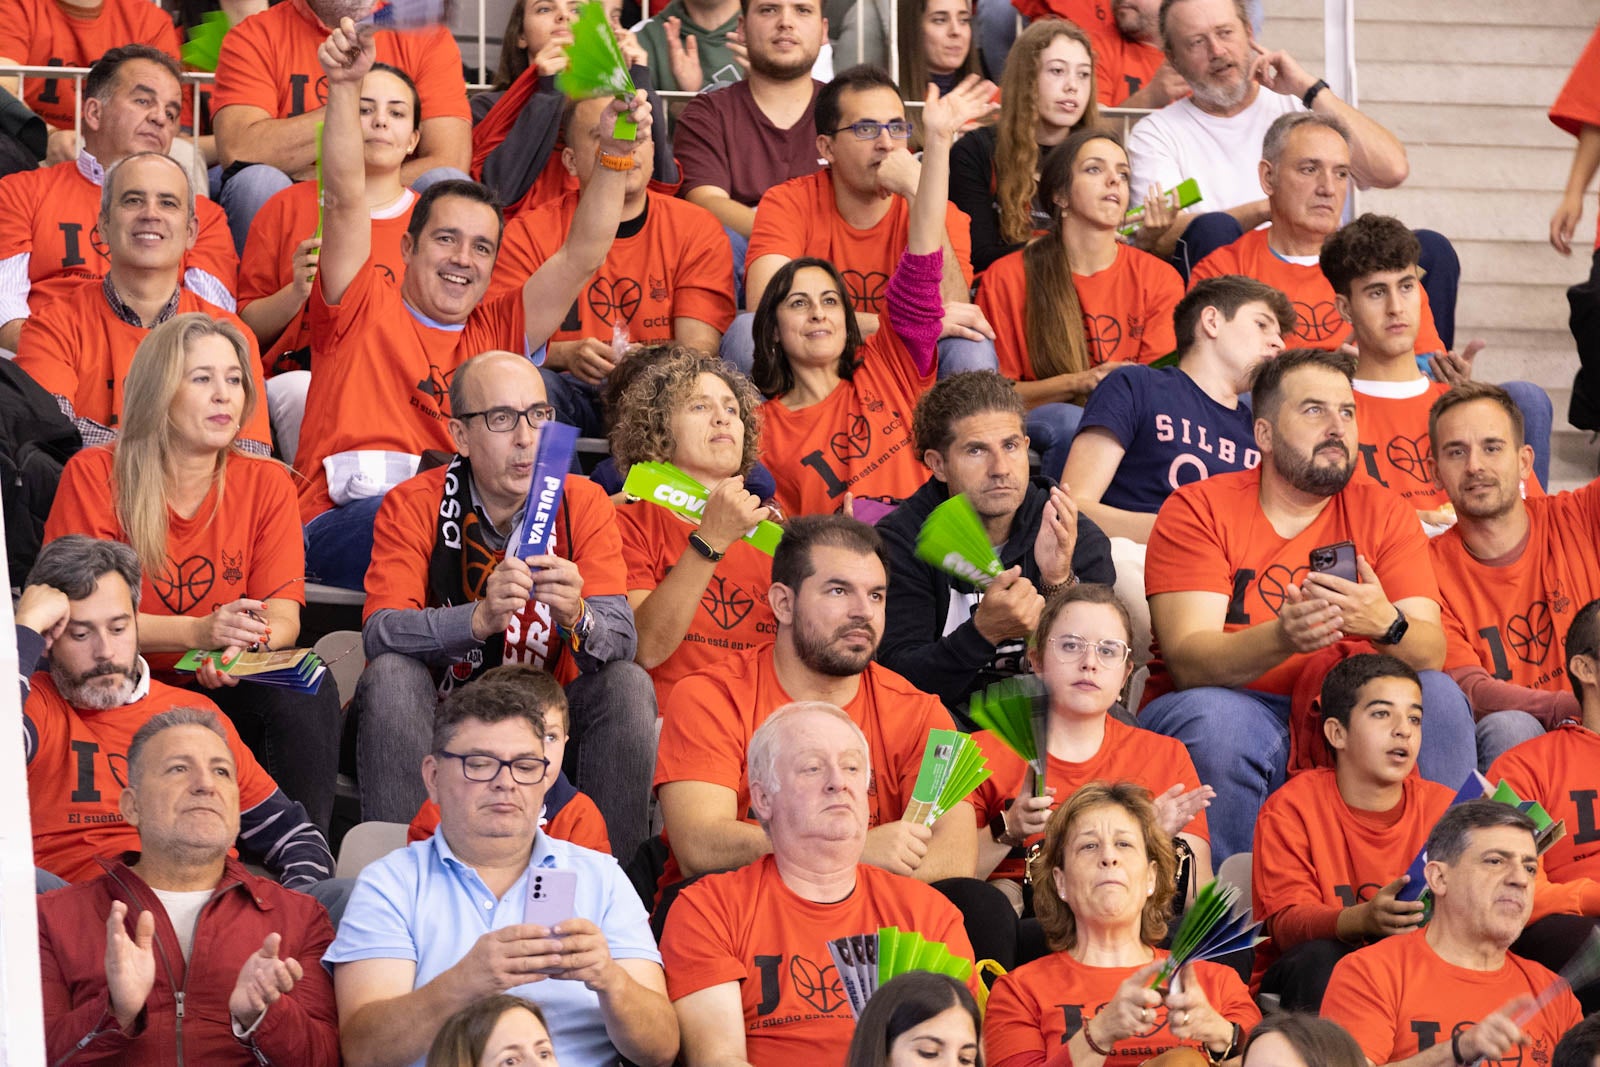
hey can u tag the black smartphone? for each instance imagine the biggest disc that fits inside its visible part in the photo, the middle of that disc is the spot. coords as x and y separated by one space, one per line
1338 559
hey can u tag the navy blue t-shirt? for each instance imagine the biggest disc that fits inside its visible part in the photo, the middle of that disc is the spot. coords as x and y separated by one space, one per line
1173 432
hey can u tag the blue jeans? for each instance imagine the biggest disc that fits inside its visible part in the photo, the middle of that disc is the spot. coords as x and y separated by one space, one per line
1051 428
577 403
244 192
739 244
1538 415
1501 731
339 544
997 32
956 354
1239 742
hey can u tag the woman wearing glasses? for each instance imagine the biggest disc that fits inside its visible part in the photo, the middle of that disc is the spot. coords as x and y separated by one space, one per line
1080 652
218 542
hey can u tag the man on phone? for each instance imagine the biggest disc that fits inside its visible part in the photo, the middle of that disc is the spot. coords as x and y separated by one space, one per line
473 910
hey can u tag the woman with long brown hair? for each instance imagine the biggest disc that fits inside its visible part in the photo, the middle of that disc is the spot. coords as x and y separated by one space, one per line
936 45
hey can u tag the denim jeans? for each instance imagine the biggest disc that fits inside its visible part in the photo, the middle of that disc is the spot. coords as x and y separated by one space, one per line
1538 415
1501 731
1239 742
956 354
339 544
244 192
1051 428
577 403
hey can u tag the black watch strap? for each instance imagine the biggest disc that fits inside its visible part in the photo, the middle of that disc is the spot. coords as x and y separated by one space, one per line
1397 631
1311 93
702 546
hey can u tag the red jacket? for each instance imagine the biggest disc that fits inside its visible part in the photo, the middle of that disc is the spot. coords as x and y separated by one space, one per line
185 1019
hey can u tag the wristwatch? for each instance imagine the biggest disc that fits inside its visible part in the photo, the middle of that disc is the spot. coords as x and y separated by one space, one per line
998 831
1311 93
1396 632
702 546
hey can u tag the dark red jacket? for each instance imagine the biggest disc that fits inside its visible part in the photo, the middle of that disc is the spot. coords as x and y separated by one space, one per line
185 1019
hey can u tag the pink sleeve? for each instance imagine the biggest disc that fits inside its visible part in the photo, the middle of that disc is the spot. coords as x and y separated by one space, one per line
916 311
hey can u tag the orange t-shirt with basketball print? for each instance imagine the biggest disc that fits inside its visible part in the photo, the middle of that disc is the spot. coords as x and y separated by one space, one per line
78 348
1040 1006
47 33
857 440
277 229
1318 323
800 218
734 614
1578 103
1126 754
1512 620
1315 855
1212 536
383 374
1392 431
1398 998
51 215
403 536
747 926
674 263
578 821
1557 770
1121 66
1127 310
242 542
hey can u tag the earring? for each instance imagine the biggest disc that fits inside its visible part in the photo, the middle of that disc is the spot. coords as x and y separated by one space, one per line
1150 892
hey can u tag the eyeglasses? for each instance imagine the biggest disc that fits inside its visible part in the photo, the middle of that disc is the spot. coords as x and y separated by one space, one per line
504 420
1109 652
868 129
525 770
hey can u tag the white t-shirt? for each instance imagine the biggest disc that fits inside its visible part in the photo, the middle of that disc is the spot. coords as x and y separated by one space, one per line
1224 155
184 911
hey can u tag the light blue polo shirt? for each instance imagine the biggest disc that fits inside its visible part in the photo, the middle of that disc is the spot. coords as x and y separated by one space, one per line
420 903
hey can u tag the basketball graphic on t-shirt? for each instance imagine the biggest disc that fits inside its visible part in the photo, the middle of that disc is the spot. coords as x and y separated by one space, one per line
866 289
1105 337
1411 456
1274 585
1530 635
819 987
98 243
726 603
853 442
1319 321
615 300
183 585
436 384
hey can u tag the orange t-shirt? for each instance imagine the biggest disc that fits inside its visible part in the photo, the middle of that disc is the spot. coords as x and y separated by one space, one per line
269 61
858 440
677 265
1398 997
712 714
51 215
46 33
1126 754
249 546
1513 620
1038 1007
1395 451
1127 310
747 926
1315 855
78 765
1092 15
578 821
734 613
78 348
800 218
1557 770
277 229
1318 324
383 375
1578 104
1121 66
403 535
1212 536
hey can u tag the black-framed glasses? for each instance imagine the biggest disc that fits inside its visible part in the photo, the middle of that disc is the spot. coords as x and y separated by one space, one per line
1109 651
525 770
504 420
868 129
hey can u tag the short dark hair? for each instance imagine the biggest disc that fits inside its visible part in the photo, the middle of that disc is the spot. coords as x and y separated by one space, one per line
1227 293
102 77
1316 1040
1466 393
1579 1046
75 564
1342 685
416 97
1583 638
165 721
510 691
933 424
791 562
1266 381
906 1001
771 371
855 79
1367 245
466 190
1448 840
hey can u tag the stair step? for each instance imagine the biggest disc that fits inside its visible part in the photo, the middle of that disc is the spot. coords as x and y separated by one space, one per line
1467 214
1450 166
1523 262
1574 14
1495 125
1466 43
1531 86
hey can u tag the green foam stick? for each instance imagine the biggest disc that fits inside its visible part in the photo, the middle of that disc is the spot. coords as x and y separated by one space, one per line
596 66
666 485
321 187
204 46
953 539
1187 194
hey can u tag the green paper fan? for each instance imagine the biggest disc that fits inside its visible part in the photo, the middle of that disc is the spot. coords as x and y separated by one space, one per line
952 539
864 962
204 45
1017 711
952 767
595 65
1210 929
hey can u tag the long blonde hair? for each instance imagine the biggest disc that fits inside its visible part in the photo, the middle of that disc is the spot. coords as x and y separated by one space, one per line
144 444
1016 157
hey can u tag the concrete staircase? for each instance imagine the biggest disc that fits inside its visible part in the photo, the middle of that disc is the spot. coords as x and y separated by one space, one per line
1466 84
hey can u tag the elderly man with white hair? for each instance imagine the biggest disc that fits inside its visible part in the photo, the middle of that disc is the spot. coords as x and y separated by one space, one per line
748 967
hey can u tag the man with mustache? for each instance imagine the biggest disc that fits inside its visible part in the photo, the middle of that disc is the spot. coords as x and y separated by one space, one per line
941 631
83 706
1237 610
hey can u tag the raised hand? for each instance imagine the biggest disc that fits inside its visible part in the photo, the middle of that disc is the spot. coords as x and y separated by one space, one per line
262 980
1058 536
1177 806
945 116
130 962
44 609
347 54
1280 72
637 109
683 55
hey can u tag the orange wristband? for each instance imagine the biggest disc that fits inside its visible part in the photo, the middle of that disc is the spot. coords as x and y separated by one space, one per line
616 162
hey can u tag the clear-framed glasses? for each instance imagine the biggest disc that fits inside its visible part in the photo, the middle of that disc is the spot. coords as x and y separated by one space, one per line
504 420
1108 652
869 129
525 770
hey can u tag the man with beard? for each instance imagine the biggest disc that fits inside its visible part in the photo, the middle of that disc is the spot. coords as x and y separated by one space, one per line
1452 993
1513 572
1214 135
80 714
1237 608
737 142
829 587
